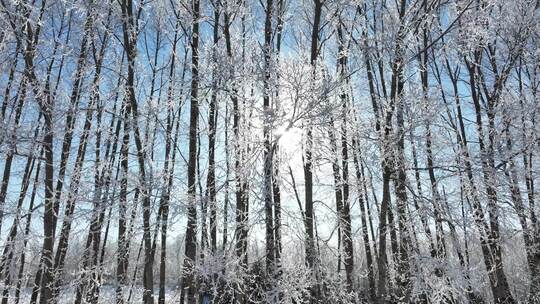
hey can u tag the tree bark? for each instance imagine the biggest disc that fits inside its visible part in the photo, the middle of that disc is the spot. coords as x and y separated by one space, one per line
191 229
311 258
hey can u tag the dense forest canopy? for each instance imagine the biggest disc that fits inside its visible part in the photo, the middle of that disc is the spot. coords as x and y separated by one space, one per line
270 151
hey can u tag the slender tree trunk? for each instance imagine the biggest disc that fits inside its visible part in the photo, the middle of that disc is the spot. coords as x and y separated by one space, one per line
346 212
9 84
364 216
22 260
478 212
241 197
7 255
11 153
338 189
268 164
191 229
275 152
311 259
169 168
129 29
499 283
122 257
227 178
46 104
421 209
72 196
212 125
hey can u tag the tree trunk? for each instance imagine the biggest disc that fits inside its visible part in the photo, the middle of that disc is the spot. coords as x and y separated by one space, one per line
364 226
267 154
311 258
188 278
22 260
346 213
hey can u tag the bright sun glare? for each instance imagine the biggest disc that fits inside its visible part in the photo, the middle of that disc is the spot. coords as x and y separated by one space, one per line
289 138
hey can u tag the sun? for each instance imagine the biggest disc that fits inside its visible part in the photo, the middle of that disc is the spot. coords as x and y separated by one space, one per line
289 138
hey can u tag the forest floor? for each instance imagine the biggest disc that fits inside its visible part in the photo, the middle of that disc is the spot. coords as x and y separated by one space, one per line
107 295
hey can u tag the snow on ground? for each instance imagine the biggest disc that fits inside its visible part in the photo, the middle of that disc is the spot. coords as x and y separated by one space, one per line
107 295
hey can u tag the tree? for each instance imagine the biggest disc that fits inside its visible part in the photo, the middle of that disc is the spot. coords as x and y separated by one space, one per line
188 279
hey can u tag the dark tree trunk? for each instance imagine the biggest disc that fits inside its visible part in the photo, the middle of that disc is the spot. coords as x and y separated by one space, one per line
188 278
499 283
364 216
241 196
122 257
268 153
212 125
8 253
346 212
129 30
22 261
311 259
46 104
